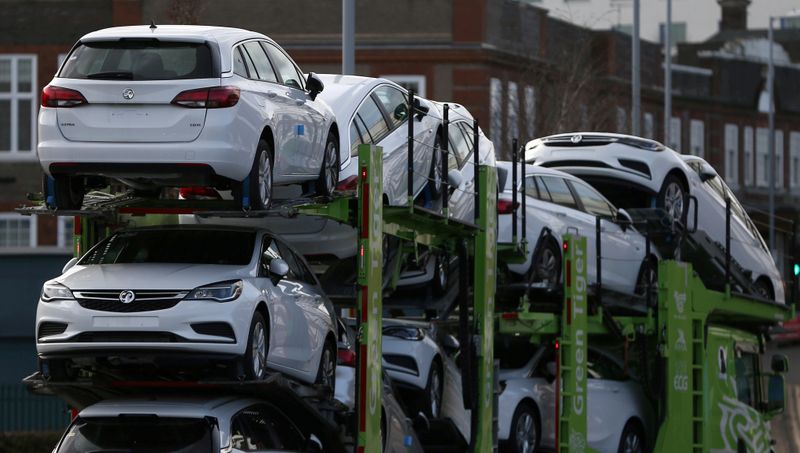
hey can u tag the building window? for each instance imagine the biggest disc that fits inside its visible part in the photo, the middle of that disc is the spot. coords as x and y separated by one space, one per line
18 98
622 120
66 231
496 111
779 161
677 35
17 231
697 135
512 128
732 154
411 82
762 157
748 156
624 28
649 126
794 153
675 133
530 112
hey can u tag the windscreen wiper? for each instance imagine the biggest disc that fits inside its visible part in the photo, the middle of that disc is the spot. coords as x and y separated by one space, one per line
125 75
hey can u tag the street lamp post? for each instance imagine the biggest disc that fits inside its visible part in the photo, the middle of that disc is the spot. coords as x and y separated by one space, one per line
636 108
771 142
668 74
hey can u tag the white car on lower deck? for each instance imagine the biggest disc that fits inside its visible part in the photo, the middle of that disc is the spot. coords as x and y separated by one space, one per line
223 293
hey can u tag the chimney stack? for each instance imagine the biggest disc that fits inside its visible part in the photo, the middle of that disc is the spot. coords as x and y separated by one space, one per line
734 14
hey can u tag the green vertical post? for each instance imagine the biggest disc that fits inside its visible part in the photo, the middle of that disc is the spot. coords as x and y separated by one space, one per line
370 268
573 350
676 342
485 265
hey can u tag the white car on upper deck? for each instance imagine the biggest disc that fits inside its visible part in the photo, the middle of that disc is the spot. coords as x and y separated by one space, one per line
180 105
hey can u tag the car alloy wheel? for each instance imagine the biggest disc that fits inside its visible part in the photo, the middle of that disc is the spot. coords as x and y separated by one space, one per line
673 200
264 178
525 431
326 375
434 391
259 347
632 440
547 265
329 173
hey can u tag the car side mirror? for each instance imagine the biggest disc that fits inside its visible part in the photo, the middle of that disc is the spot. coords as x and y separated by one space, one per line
313 444
706 173
451 344
314 85
779 364
400 112
420 110
624 219
421 423
69 265
455 179
278 269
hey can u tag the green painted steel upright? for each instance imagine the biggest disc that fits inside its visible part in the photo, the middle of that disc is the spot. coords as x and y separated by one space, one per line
485 277
573 352
370 269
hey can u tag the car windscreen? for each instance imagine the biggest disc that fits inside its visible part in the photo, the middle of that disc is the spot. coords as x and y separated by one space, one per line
138 433
225 247
139 59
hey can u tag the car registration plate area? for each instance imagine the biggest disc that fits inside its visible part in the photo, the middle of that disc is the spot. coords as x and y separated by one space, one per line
125 321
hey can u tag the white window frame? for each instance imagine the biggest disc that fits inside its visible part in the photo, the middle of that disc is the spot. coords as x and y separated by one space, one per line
32 243
418 79
674 139
779 151
732 155
762 157
512 112
62 230
530 112
794 156
697 138
14 154
648 126
749 156
496 111
622 120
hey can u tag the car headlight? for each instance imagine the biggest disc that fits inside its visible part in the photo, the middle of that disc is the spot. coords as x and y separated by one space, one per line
52 291
219 292
404 332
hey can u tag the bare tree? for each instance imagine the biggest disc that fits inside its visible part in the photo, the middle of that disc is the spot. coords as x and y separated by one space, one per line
183 12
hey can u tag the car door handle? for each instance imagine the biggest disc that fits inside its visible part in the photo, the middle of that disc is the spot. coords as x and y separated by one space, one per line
271 94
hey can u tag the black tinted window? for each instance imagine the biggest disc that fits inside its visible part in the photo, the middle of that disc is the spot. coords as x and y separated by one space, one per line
602 367
148 433
559 191
530 187
459 144
372 119
284 67
174 246
263 67
139 60
262 427
394 103
592 201
239 66
297 267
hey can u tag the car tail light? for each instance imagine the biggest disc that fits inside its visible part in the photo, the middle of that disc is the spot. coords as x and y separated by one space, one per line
506 206
346 357
207 98
53 96
198 193
349 183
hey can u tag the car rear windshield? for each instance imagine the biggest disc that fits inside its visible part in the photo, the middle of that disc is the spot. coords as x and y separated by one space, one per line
137 433
174 246
140 59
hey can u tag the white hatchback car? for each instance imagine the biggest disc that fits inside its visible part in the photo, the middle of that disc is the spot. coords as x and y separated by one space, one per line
619 416
635 172
556 203
225 293
180 105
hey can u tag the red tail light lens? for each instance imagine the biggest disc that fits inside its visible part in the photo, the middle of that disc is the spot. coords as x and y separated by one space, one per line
198 193
506 206
349 183
207 98
346 357
53 96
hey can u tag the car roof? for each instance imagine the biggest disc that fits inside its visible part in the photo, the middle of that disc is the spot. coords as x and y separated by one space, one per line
344 93
194 406
194 227
504 173
221 35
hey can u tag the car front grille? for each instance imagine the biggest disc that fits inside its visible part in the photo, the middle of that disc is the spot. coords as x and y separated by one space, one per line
219 329
575 163
145 300
48 328
127 337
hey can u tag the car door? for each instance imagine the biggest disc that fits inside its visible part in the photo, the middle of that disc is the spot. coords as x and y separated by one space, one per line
263 428
305 123
544 384
608 405
622 252
462 199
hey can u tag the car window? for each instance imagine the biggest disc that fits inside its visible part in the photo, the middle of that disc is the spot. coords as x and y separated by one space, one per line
239 66
602 367
297 267
746 369
559 191
288 72
374 125
137 434
530 187
269 252
544 194
592 201
458 144
394 104
261 427
263 67
139 60
355 138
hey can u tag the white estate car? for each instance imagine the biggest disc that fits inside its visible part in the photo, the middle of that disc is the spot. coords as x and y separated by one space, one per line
635 172
223 292
180 105
198 424
557 203
620 419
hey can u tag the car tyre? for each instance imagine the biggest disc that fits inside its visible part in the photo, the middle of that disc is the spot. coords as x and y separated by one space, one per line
525 430
329 173
69 192
673 198
648 273
255 359
434 390
546 264
260 184
326 373
763 289
632 438
441 274
435 177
